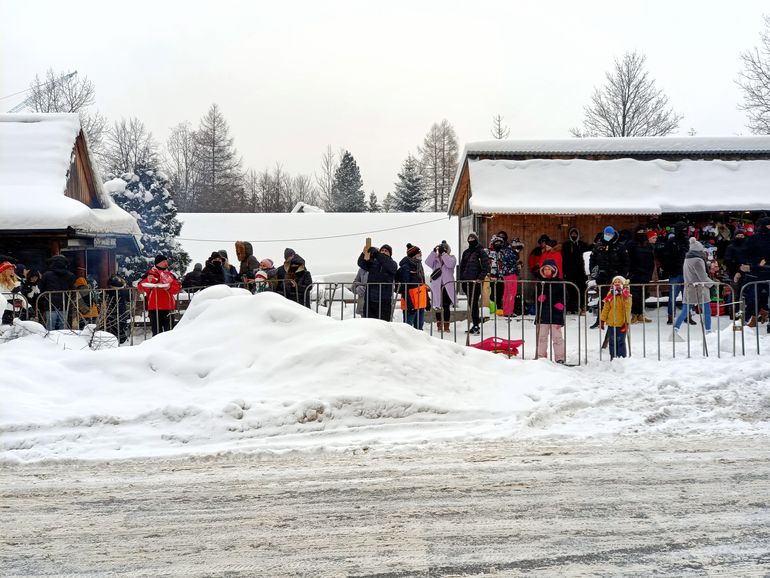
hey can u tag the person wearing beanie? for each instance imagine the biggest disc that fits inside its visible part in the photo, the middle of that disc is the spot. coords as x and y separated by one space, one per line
442 283
229 271
672 264
641 264
294 280
378 273
414 291
697 286
213 272
533 263
160 288
609 259
574 268
193 280
615 315
268 268
549 319
474 268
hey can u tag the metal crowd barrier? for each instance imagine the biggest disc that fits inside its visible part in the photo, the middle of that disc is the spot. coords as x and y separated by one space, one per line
505 312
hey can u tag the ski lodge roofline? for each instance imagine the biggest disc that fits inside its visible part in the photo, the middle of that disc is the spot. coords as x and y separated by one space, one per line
602 176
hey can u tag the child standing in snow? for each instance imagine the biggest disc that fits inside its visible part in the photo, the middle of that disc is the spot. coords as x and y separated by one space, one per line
550 312
616 313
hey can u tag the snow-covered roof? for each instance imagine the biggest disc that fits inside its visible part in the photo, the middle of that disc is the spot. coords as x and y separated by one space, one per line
616 187
35 157
625 145
329 242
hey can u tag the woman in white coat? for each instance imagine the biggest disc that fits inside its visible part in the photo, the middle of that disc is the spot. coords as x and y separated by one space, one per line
442 283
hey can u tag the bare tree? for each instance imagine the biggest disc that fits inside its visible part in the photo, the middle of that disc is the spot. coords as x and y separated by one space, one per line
251 191
60 92
128 145
755 82
629 104
180 162
325 178
499 130
438 162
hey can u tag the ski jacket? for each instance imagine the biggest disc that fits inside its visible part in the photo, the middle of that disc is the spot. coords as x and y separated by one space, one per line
572 259
414 292
616 308
474 265
550 300
674 254
160 286
641 260
610 259
381 271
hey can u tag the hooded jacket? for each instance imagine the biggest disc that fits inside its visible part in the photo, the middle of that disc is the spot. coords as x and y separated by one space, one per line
295 280
675 250
381 273
758 247
551 297
474 264
249 264
57 278
609 258
572 258
737 254
641 259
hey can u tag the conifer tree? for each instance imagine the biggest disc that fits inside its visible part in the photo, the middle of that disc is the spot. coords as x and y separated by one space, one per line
143 193
409 195
387 203
374 204
347 191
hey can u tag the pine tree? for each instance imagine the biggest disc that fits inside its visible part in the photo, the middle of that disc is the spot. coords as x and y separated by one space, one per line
387 203
143 193
347 192
219 172
409 196
374 204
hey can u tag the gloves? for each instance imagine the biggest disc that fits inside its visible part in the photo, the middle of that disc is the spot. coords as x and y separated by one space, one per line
625 293
541 298
559 306
624 328
602 325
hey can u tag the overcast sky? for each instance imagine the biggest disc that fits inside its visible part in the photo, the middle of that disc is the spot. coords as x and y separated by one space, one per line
292 77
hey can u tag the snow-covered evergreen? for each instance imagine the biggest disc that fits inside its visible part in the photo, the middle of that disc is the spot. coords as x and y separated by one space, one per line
144 195
409 195
374 204
347 192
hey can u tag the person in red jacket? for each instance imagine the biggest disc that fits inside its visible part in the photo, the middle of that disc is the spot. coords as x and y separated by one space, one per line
160 288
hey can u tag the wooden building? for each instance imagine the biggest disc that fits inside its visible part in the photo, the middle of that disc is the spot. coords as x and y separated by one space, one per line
52 200
534 187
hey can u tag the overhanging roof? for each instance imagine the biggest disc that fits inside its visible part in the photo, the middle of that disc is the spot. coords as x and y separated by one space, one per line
616 187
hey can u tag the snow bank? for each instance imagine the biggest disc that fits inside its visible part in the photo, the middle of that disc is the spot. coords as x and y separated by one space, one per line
621 186
248 372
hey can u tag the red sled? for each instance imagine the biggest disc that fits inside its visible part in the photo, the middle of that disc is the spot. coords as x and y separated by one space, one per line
509 347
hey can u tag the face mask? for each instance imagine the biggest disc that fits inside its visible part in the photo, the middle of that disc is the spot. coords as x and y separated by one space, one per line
608 238
418 257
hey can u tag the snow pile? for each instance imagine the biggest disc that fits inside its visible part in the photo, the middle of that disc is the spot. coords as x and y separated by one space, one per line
329 242
36 152
246 372
620 186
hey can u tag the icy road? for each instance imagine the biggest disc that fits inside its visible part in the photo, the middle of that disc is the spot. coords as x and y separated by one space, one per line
673 505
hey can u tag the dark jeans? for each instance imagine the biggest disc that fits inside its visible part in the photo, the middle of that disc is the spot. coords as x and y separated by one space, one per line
379 310
446 305
416 318
160 320
473 291
638 296
675 288
617 342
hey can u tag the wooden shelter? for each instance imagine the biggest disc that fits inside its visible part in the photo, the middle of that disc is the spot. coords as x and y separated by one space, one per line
534 187
52 200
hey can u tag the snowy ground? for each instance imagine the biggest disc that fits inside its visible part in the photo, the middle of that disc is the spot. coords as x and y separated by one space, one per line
260 374
630 506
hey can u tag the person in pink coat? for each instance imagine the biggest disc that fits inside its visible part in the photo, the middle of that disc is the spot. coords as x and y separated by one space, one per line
442 283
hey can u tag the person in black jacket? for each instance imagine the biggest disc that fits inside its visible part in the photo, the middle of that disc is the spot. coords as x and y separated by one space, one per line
56 280
213 273
758 248
294 280
608 260
673 262
414 291
641 265
574 268
194 279
381 270
549 320
474 268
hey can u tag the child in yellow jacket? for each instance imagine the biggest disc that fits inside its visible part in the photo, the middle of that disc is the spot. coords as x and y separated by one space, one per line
616 313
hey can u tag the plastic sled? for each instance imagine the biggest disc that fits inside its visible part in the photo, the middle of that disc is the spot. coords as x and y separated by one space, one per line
509 347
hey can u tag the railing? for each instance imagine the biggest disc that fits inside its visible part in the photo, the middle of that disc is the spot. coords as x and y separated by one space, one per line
524 309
